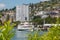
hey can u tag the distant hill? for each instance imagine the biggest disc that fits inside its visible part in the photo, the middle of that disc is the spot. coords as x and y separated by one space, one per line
46 5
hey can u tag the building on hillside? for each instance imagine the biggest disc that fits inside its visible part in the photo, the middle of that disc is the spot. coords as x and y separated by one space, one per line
41 13
22 13
3 18
54 13
8 15
11 15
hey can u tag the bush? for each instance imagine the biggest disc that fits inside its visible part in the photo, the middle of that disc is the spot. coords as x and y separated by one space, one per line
34 36
6 31
52 34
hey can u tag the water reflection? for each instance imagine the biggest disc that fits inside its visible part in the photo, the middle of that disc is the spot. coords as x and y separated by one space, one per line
23 35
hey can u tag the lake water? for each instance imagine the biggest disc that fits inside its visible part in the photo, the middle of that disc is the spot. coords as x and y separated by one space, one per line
23 35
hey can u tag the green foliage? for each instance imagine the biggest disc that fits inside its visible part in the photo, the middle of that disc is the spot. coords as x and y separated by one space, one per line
52 34
17 22
46 5
34 36
37 20
6 31
50 20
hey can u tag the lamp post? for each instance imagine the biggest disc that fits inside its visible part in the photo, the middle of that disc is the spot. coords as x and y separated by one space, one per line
43 17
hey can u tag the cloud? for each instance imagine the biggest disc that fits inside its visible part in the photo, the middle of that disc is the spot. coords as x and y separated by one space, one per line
2 5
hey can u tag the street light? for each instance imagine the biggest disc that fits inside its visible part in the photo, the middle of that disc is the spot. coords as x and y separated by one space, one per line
43 17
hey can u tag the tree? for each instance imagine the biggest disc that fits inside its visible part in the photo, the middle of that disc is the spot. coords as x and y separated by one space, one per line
52 34
37 20
6 10
50 20
14 9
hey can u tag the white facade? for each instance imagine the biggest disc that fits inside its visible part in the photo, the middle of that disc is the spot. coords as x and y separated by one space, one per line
40 13
22 13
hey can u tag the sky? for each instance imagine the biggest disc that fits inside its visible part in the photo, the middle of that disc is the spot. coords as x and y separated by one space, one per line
11 3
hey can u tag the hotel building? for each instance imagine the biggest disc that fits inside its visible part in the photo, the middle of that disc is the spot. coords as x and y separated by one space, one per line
22 13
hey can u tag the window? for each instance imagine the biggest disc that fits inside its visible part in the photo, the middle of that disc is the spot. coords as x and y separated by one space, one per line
25 18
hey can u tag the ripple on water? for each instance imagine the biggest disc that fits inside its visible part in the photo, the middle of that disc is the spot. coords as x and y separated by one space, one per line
22 35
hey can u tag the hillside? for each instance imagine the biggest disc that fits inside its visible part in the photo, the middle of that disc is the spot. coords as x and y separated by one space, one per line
46 6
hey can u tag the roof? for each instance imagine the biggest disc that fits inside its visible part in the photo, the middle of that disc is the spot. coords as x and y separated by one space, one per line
53 13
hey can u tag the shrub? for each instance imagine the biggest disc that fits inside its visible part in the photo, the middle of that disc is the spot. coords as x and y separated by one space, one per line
52 34
6 31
